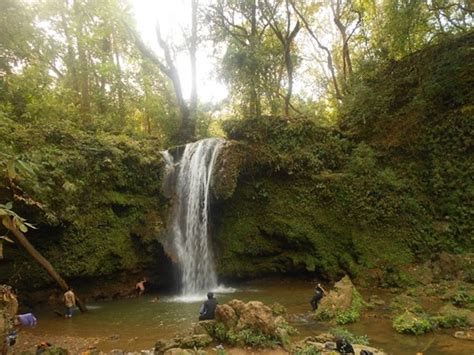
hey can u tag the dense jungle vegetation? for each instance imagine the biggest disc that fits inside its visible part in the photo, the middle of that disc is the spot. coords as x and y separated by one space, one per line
349 127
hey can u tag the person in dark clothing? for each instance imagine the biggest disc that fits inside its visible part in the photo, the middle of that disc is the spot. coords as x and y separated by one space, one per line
343 346
319 292
208 308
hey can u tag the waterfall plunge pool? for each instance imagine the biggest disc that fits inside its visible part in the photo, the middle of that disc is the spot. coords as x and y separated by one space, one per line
136 323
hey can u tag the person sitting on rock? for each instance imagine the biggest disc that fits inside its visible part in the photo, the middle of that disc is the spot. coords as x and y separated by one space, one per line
319 292
208 308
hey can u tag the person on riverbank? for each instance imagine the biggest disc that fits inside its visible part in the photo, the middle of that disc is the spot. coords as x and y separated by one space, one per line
140 286
319 292
69 302
208 308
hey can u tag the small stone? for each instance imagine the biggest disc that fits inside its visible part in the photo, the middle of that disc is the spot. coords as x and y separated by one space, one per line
465 335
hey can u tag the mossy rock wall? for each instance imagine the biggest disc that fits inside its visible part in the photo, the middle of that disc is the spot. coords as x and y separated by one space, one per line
393 186
101 210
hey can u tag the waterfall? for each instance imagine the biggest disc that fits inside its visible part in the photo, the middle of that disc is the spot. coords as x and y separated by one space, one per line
189 228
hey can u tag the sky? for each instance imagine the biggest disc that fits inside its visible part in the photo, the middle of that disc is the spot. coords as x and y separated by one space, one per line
174 18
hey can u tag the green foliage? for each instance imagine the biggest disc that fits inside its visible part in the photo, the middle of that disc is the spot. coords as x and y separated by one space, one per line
308 350
248 337
278 309
462 298
350 337
450 320
405 303
411 323
98 200
343 316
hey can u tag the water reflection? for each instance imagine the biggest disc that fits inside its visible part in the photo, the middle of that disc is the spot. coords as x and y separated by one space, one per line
134 324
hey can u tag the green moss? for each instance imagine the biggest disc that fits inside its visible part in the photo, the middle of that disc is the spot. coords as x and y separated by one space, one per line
411 323
352 314
99 193
244 337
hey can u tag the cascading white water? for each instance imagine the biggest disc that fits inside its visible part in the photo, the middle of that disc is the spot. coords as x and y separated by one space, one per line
189 225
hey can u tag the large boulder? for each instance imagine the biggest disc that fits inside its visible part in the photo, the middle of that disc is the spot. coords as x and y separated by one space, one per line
257 316
343 304
248 324
225 314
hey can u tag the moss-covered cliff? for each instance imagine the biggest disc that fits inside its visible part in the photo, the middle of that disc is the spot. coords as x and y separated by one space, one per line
392 187
100 212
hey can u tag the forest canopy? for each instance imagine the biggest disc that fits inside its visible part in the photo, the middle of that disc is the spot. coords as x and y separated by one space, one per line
83 63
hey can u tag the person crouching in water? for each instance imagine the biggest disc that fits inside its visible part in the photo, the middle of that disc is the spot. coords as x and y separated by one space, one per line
208 308
69 302
319 292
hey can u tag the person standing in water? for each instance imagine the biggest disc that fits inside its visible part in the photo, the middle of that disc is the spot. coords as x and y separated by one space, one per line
319 292
208 308
69 301
140 286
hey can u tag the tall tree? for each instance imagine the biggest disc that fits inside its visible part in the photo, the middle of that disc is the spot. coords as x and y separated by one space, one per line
253 61
286 35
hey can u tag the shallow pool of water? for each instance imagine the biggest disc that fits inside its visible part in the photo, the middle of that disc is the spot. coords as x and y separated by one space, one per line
136 323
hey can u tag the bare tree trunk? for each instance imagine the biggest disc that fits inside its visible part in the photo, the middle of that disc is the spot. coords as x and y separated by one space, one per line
330 62
121 106
254 107
70 59
40 259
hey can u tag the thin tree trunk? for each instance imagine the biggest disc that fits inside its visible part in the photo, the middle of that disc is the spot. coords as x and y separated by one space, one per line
40 259
83 65
330 63
121 106
255 108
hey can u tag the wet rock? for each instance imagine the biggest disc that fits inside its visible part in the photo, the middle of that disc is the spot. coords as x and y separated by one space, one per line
358 348
162 346
226 315
324 337
178 351
284 338
375 300
195 341
465 335
203 327
256 315
317 345
344 303
280 321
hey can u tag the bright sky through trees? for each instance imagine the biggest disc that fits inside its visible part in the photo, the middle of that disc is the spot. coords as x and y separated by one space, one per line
174 18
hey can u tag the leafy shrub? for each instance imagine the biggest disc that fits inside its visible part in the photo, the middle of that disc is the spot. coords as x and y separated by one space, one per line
352 338
353 313
462 299
411 323
308 350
